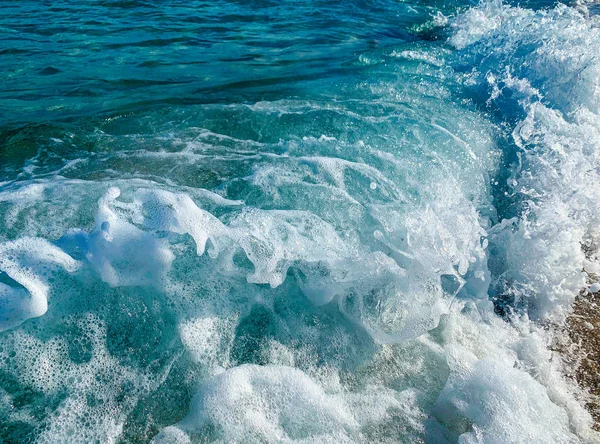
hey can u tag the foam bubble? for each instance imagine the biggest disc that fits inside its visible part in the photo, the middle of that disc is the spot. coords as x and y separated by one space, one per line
121 253
29 263
500 404
265 403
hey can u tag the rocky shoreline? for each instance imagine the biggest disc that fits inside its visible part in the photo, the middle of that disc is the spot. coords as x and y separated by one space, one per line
579 345
583 327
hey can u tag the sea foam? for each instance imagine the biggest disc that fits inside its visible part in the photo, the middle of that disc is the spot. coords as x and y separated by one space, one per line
376 269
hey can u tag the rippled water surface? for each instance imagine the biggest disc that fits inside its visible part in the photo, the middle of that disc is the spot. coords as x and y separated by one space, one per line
294 221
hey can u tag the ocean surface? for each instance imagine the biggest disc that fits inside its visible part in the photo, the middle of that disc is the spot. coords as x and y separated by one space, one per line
295 221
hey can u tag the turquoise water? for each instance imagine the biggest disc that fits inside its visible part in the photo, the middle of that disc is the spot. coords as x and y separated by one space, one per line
294 221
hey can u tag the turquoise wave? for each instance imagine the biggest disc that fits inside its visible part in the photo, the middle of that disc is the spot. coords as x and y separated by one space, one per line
295 221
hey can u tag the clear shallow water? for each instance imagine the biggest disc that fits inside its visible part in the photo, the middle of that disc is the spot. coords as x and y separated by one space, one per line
294 221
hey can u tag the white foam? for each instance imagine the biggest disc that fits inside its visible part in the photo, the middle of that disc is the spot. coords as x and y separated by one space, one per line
504 405
265 403
93 411
554 90
121 253
29 262
274 241
365 250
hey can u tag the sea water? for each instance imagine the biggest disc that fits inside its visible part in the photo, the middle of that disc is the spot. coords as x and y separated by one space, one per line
294 221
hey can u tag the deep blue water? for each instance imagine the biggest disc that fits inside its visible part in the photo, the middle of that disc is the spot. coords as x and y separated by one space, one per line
261 221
